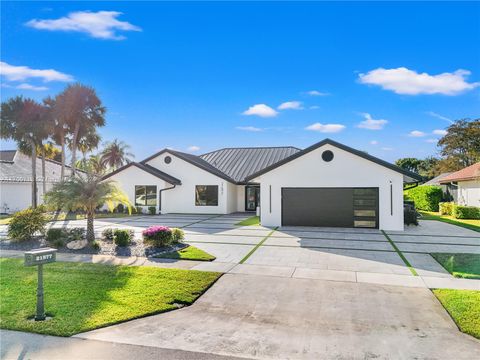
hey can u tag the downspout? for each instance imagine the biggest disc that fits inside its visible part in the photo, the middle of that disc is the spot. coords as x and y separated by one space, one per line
160 197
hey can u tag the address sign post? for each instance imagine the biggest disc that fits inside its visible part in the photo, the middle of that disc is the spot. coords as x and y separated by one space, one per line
39 257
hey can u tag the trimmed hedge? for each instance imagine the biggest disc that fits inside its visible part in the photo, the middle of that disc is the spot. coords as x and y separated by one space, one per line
466 212
122 237
446 208
426 198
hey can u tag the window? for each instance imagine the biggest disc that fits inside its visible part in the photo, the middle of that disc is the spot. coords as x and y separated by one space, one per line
206 195
167 159
327 155
145 195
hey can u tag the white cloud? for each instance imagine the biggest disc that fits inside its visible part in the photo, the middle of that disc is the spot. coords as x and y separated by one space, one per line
316 93
261 110
314 107
100 25
431 140
374 142
440 132
290 105
372 124
193 148
387 148
438 116
416 133
409 82
22 73
249 128
26 86
326 128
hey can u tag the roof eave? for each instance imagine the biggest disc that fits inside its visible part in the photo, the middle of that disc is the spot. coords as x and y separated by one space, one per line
366 156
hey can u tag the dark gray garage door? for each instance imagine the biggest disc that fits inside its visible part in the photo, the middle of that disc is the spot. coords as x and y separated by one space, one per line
332 207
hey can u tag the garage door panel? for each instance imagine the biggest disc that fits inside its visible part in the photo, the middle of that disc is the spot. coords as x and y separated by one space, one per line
332 207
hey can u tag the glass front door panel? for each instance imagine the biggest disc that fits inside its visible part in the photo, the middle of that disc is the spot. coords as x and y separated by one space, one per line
251 198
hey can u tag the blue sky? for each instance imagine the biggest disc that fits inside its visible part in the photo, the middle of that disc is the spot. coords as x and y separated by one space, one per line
186 75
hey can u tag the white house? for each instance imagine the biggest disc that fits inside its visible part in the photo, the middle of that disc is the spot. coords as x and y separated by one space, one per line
16 180
326 184
467 183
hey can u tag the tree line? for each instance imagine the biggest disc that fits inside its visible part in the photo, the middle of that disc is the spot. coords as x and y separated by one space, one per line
458 148
68 120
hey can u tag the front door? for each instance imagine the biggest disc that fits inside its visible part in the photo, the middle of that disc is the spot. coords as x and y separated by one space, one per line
252 197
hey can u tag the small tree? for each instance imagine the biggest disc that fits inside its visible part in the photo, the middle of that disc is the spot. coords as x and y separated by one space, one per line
116 154
86 192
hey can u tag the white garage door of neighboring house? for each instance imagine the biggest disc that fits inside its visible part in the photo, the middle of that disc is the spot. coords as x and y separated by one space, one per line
330 207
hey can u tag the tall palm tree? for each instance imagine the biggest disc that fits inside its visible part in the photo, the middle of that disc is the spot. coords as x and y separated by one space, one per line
81 111
46 151
22 120
116 154
86 192
91 164
58 117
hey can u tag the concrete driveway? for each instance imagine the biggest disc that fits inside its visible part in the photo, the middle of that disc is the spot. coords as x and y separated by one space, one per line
310 293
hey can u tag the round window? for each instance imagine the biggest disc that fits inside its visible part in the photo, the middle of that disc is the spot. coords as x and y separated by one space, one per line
168 159
327 155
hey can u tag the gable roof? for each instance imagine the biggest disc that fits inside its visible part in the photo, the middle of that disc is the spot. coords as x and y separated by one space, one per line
410 175
17 167
7 155
149 169
471 172
436 179
194 160
239 163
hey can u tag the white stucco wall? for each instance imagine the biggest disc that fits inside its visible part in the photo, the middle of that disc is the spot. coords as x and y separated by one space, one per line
16 196
131 176
182 198
241 198
469 193
345 170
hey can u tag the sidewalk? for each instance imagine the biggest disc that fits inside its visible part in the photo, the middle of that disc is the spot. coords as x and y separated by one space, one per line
20 345
430 282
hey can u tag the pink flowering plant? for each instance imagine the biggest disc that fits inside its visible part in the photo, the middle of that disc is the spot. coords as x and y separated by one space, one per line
160 236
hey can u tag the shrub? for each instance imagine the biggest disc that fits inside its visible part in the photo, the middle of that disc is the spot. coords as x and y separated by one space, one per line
152 210
96 245
24 224
158 235
74 234
120 208
107 234
57 243
410 216
425 197
122 237
54 234
466 212
139 210
177 235
446 208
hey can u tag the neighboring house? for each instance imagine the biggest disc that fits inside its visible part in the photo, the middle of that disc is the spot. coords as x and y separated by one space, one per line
449 191
327 184
16 179
467 182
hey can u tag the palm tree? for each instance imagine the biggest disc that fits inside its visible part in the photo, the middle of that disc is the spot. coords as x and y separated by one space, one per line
86 192
47 151
59 132
22 120
81 111
91 164
116 154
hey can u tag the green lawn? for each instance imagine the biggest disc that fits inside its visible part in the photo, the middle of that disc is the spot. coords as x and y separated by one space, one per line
188 253
460 265
254 220
5 219
74 216
82 297
464 307
466 223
